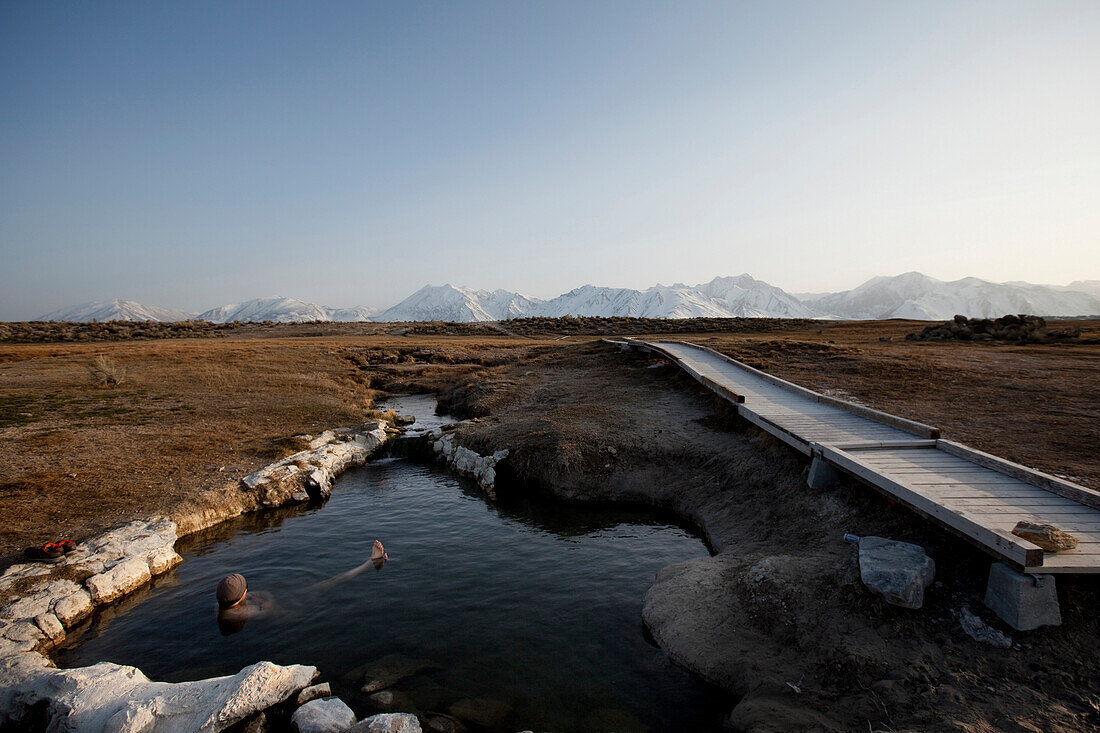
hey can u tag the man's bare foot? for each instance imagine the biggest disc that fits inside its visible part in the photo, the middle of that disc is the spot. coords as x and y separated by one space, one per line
378 552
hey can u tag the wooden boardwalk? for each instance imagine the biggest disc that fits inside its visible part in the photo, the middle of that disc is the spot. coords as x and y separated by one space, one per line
976 495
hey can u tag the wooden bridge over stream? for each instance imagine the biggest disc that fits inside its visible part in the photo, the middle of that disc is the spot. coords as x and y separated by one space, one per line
973 494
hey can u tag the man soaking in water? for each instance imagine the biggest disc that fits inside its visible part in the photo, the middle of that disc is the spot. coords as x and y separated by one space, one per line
236 606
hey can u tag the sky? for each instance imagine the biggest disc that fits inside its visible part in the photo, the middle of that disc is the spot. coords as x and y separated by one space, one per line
194 154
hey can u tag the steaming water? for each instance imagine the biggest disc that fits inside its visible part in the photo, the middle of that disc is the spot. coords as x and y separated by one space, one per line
534 603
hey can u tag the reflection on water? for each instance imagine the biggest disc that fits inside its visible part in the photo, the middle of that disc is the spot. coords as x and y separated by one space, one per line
544 615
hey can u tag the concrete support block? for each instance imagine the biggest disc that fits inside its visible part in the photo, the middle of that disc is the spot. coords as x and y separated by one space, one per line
822 475
1023 601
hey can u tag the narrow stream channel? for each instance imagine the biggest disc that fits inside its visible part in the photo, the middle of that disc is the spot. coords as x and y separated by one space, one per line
536 604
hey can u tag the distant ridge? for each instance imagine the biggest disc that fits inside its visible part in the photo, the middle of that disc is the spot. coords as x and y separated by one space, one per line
910 295
116 310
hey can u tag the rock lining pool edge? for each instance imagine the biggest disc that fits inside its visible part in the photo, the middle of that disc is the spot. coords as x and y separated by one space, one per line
107 696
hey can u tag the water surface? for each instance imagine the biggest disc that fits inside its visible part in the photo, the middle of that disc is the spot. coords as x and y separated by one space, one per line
534 603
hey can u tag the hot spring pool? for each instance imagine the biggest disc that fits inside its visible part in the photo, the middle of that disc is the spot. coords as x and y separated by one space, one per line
535 604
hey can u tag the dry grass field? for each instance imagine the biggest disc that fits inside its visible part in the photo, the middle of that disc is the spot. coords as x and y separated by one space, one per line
196 414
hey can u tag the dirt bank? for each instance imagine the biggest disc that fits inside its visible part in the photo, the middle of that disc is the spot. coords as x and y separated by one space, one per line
779 604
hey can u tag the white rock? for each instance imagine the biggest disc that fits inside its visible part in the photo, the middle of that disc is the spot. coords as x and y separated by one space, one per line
50 626
73 608
313 693
112 697
22 631
323 439
387 723
127 576
162 560
327 715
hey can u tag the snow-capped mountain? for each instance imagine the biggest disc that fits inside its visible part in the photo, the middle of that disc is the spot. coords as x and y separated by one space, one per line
116 310
917 296
359 313
912 295
450 303
720 298
278 309
1092 287
750 298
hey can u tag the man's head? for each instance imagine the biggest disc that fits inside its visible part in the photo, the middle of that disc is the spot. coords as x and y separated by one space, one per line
231 590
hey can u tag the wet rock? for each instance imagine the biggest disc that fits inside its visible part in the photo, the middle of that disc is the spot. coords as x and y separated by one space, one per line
404 419
314 692
440 723
391 701
387 671
257 724
979 631
469 463
162 560
482 712
898 572
123 578
327 715
1046 536
387 723
616 719
113 697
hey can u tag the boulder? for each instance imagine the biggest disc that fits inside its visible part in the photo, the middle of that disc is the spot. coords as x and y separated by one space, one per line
387 723
482 712
327 715
898 572
388 671
439 723
314 692
113 697
125 577
391 701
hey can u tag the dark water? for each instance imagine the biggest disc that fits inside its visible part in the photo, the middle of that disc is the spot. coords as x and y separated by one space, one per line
537 604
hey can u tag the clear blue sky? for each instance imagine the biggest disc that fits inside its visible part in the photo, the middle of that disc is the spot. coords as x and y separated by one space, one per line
192 154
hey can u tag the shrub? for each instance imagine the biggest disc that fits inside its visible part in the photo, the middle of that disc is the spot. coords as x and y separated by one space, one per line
105 372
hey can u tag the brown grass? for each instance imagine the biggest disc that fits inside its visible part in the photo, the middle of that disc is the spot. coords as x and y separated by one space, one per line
190 416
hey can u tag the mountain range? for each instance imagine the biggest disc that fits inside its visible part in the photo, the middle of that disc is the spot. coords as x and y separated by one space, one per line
911 295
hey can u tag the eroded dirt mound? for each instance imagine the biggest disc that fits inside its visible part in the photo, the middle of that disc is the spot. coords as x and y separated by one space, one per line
778 616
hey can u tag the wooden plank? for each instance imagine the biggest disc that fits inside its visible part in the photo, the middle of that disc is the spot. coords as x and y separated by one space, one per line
795 442
909 426
1020 552
963 491
1080 494
1051 501
871 447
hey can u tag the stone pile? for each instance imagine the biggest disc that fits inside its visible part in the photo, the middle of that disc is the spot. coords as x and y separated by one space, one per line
55 596
111 565
311 473
466 462
1006 329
